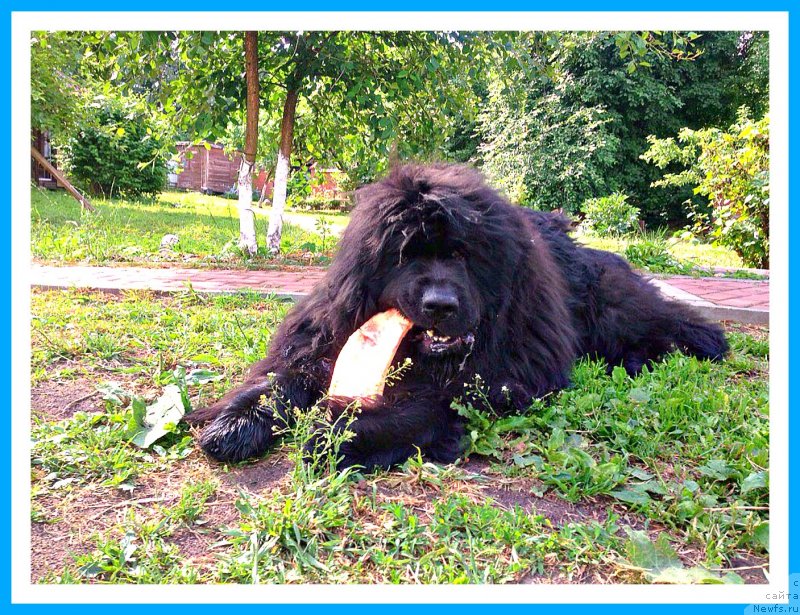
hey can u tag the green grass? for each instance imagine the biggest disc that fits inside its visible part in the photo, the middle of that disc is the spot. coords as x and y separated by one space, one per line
124 231
679 452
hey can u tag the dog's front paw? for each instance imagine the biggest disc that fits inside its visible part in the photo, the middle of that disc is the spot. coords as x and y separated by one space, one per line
237 435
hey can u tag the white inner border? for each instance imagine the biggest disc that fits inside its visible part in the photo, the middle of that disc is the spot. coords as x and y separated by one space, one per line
23 23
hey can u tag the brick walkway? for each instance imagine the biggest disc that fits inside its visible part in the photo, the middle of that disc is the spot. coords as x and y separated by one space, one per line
744 301
292 283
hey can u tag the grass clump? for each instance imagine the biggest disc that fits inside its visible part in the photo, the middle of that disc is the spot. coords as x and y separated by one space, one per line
686 443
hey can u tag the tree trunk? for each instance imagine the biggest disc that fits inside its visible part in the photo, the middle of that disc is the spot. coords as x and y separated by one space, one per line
282 174
247 220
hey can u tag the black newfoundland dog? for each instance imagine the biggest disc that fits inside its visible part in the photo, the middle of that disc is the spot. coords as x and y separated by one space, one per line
493 289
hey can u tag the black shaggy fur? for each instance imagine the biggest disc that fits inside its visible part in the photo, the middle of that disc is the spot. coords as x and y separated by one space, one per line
507 294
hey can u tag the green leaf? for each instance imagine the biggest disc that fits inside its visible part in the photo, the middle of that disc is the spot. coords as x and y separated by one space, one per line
127 547
696 575
754 480
648 555
718 469
619 375
158 419
660 563
528 460
641 474
113 392
91 570
202 376
631 495
761 535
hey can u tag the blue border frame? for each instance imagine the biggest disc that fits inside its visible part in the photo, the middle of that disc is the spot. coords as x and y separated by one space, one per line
364 5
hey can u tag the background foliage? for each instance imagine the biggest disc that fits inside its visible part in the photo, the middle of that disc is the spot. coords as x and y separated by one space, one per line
730 168
577 131
611 215
117 153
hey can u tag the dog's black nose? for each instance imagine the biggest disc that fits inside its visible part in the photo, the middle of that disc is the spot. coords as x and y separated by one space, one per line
439 303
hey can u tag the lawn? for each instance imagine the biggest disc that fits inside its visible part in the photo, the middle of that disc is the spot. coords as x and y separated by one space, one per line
208 229
654 479
131 231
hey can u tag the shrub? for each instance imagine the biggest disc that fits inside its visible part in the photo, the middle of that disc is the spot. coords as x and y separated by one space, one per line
610 215
731 169
650 252
117 152
298 186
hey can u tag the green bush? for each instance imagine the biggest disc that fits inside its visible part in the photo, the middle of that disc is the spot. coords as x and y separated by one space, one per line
117 152
610 215
731 169
650 252
298 187
546 153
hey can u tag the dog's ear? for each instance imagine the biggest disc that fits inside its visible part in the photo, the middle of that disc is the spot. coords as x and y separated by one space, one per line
349 293
533 340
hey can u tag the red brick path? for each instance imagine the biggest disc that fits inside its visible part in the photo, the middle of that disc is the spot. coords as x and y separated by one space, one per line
723 299
294 283
733 293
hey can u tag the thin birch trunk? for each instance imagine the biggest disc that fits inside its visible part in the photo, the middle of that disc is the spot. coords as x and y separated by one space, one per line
247 219
282 174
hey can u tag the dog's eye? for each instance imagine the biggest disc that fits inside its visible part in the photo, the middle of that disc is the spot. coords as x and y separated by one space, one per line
457 255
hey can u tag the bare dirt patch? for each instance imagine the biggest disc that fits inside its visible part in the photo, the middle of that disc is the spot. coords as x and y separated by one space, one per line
56 400
73 517
53 549
263 475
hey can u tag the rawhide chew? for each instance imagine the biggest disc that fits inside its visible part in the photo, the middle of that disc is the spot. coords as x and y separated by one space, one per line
363 364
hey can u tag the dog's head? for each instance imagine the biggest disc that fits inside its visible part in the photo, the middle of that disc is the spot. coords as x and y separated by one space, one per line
439 245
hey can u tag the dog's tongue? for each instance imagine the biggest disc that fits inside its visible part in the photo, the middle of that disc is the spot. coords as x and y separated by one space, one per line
361 368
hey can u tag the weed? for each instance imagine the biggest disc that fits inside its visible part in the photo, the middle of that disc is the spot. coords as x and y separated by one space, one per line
649 251
192 502
138 557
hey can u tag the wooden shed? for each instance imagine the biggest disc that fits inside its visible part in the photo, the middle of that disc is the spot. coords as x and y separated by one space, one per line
211 170
208 169
39 174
